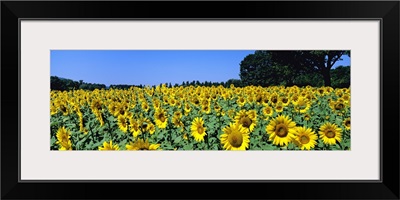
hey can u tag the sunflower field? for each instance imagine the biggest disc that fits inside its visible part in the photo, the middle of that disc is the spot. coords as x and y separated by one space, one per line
201 118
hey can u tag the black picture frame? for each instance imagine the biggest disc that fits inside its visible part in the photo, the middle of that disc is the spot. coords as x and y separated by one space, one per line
13 11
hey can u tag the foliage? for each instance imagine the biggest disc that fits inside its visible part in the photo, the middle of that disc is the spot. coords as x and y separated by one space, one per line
63 84
289 68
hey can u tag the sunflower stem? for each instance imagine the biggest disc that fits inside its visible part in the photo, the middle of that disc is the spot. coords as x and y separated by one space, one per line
109 128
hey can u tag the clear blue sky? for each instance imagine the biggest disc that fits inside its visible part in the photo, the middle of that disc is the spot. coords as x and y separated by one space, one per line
149 67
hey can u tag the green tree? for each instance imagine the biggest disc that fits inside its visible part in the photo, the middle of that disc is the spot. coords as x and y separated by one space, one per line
341 77
303 62
259 69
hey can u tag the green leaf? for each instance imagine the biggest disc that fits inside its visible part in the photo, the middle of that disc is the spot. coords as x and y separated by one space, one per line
338 121
160 136
291 146
66 119
177 139
53 140
320 144
188 147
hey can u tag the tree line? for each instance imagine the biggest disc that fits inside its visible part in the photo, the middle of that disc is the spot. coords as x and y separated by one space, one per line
64 84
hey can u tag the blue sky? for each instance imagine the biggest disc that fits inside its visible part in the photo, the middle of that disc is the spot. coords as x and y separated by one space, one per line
149 67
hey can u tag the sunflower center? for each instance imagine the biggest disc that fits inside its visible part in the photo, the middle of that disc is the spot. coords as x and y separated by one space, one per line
330 134
235 139
200 129
339 106
304 139
274 99
347 123
246 122
122 112
281 130
162 118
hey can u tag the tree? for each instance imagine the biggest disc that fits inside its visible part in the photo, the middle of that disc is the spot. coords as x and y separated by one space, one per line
301 62
341 77
259 69
235 82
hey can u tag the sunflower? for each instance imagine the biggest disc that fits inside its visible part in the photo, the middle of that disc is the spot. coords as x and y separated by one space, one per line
177 122
241 101
145 106
285 100
346 98
63 139
247 119
64 108
144 124
187 108
96 105
172 102
123 123
330 133
112 107
274 98
206 109
151 128
121 109
267 111
156 103
302 105
235 137
346 123
108 146
305 138
279 107
265 99
217 108
198 129
338 106
294 98
281 130
321 91
259 98
53 109
307 117
140 144
195 101
134 127
161 118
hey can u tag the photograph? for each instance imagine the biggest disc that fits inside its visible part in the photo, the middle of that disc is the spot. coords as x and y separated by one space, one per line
299 96
217 100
